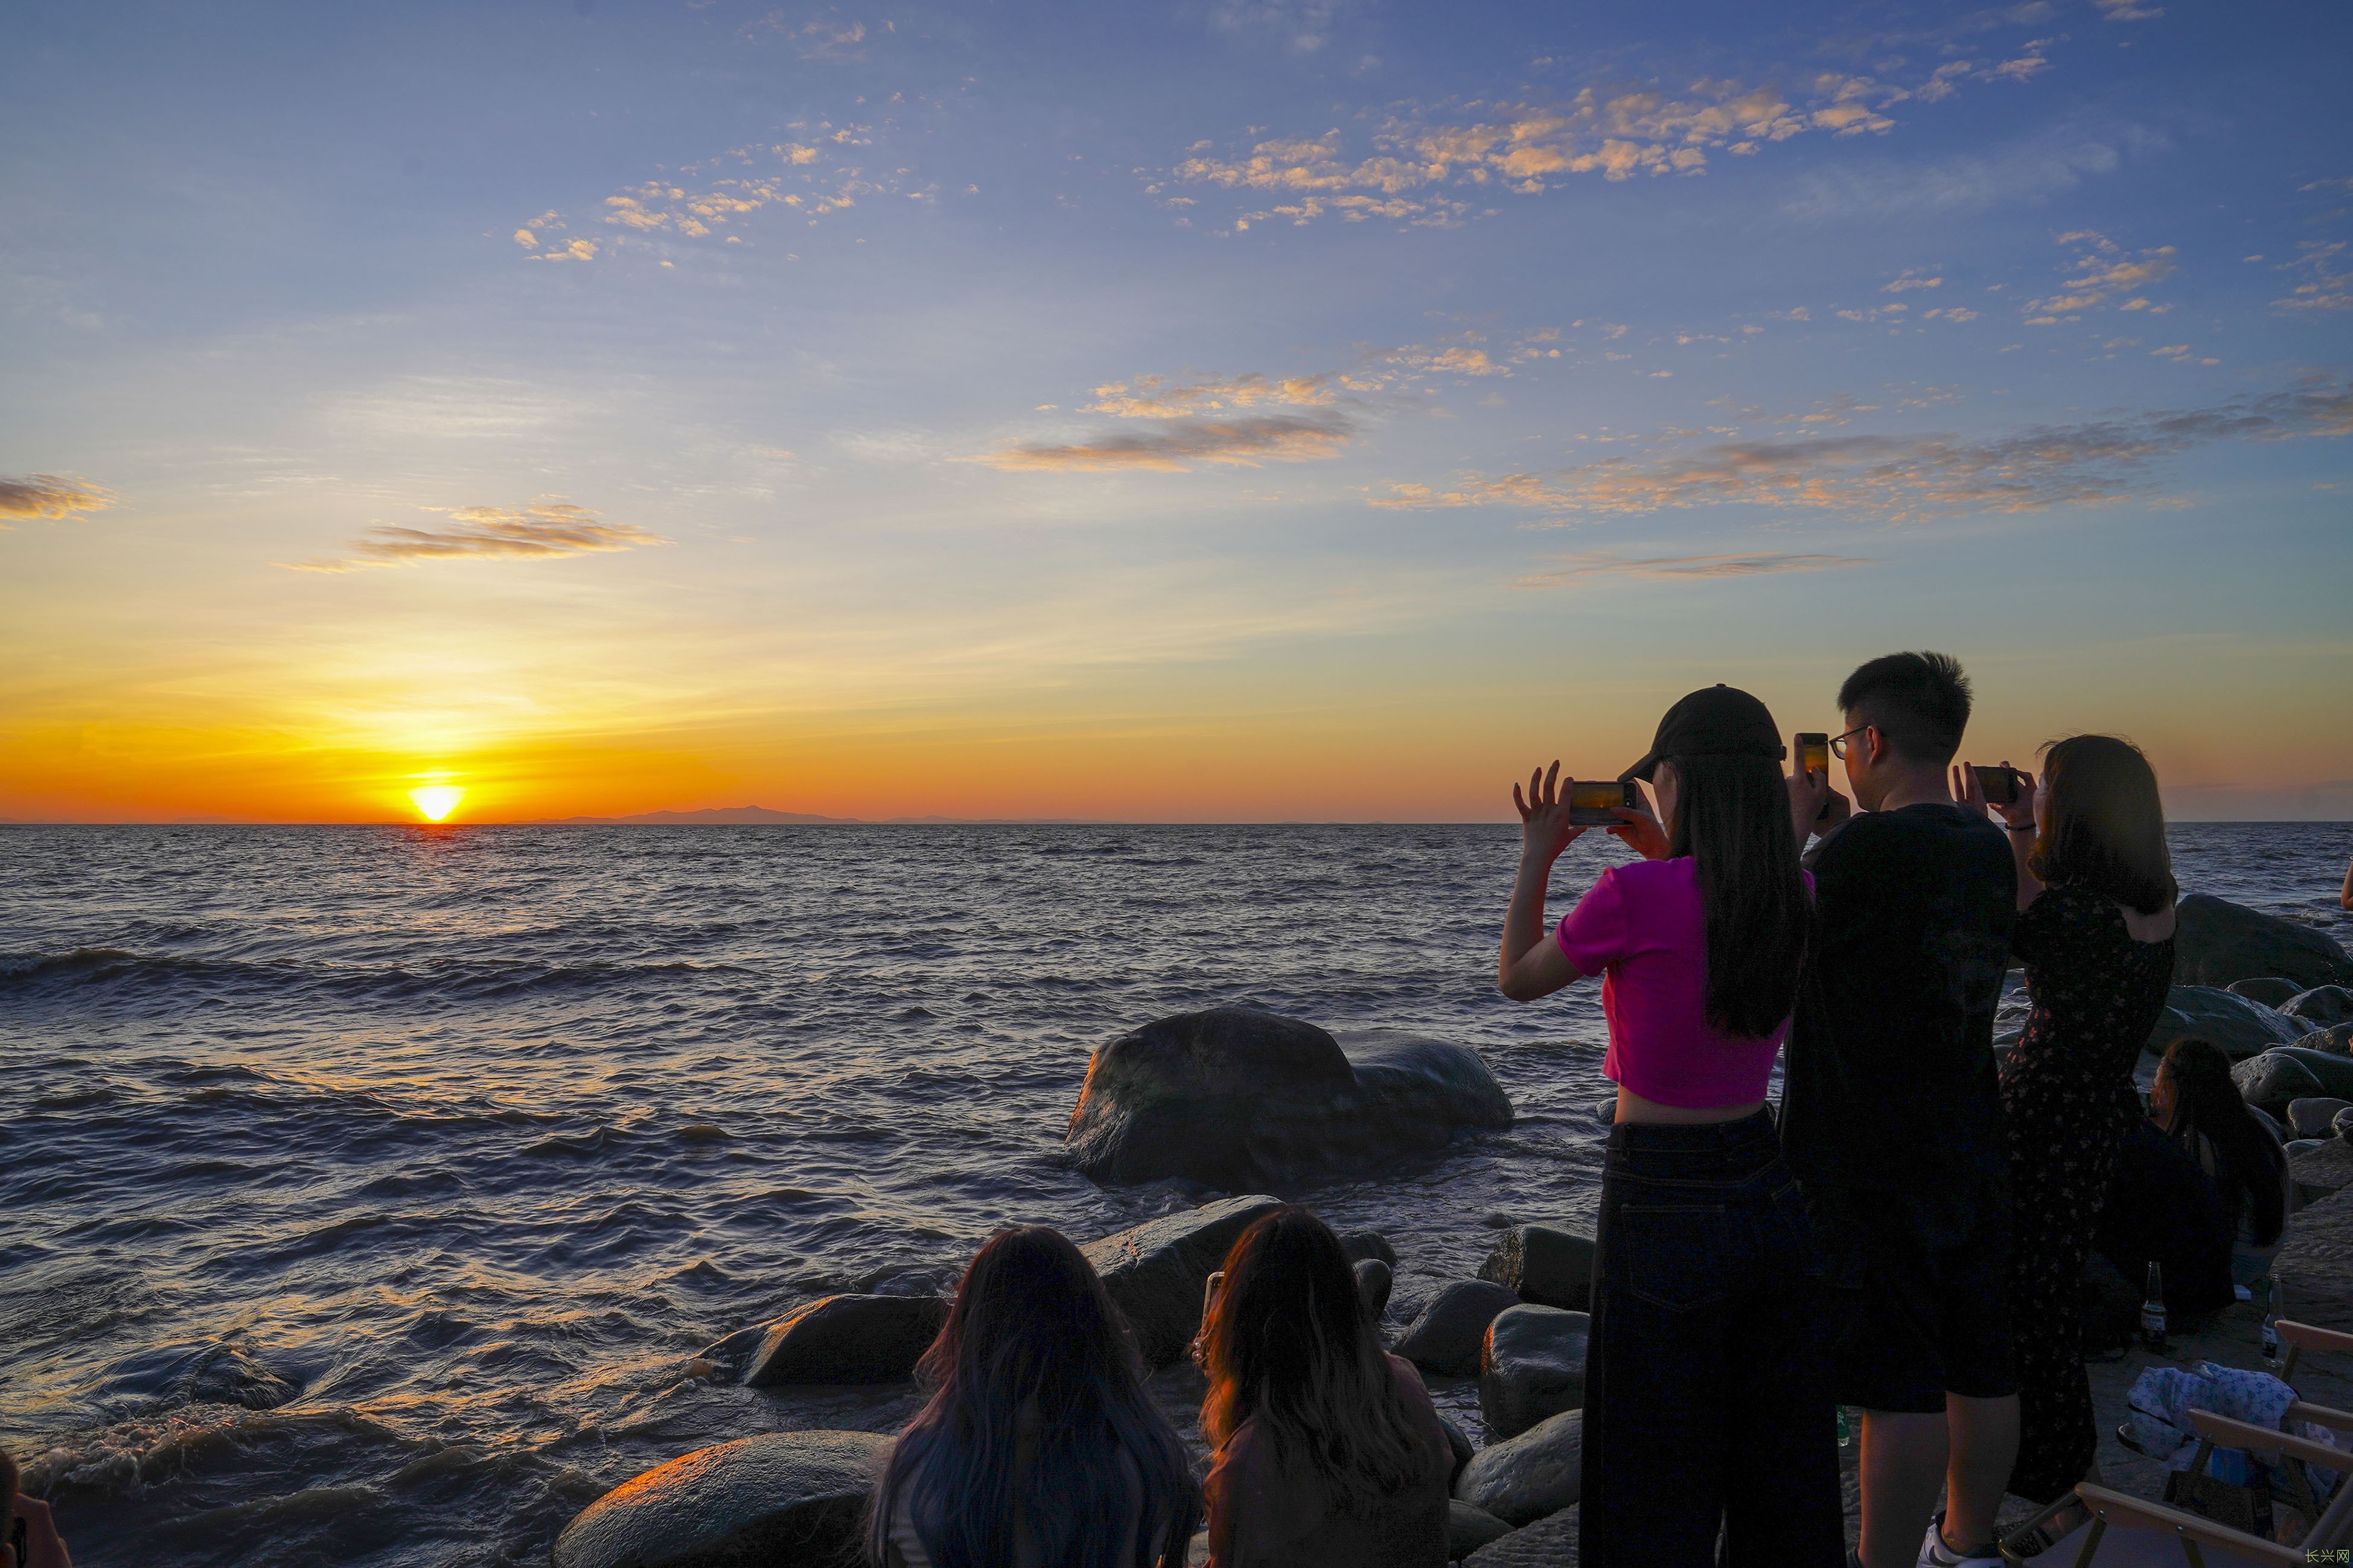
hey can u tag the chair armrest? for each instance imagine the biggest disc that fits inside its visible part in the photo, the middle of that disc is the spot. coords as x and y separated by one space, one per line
2320 1416
2228 1434
2307 1336
2134 1514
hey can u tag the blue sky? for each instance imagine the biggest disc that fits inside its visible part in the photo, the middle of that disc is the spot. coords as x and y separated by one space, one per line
1170 411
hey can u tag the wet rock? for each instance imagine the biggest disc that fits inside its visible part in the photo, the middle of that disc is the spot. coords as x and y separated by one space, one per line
2337 1040
2315 1263
1549 1543
1551 1265
2241 1028
1373 1281
1538 1472
2268 989
2320 1007
1459 1442
1468 1529
783 1497
1359 1245
1532 1367
846 1339
1154 1271
2271 1081
2216 942
1446 1338
1237 1099
2315 1117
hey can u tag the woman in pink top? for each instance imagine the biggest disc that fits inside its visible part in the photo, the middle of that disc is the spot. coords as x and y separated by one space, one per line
1707 1387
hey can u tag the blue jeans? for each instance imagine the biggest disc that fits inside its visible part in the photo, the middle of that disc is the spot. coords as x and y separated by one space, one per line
1708 1392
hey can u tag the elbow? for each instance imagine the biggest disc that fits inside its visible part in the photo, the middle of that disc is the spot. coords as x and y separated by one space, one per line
1513 987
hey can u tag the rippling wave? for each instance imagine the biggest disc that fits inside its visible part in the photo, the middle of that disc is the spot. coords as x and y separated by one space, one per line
367 1194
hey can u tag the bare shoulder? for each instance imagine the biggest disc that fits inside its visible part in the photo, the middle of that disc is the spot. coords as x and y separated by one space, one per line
2157 927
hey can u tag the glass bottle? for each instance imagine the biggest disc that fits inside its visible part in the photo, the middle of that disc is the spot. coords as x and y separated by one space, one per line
2152 1309
2271 1327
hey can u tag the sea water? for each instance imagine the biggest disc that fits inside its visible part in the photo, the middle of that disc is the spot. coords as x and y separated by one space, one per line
366 1193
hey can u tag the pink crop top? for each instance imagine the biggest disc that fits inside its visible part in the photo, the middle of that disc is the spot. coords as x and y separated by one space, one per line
1643 926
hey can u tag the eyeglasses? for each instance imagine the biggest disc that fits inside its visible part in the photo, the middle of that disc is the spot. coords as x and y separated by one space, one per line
1838 743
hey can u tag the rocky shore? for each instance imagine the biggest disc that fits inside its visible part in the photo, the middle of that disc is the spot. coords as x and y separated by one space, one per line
1235 1093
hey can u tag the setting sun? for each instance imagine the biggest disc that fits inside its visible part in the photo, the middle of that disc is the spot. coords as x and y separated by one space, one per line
436 801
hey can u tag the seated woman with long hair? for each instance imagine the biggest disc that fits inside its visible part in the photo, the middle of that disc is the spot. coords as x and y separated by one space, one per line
1040 1448
1328 1449
2196 1100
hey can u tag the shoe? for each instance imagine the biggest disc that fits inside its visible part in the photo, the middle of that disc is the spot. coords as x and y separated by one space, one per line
1935 1553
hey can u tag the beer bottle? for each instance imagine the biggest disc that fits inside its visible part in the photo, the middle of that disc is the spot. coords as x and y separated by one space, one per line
2152 1309
2271 1326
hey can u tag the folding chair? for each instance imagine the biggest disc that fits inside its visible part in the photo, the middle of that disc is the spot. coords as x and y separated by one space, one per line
2130 1532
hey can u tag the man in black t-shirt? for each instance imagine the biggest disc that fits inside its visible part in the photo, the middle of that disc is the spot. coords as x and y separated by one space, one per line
1892 1120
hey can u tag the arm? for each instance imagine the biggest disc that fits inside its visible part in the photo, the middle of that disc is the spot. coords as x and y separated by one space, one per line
2017 820
2346 897
1530 966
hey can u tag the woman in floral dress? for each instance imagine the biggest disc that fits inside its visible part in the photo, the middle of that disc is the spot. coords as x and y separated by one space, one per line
2095 895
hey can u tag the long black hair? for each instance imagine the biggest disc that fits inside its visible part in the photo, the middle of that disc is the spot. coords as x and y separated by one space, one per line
1290 1345
1032 1325
1732 817
2248 1159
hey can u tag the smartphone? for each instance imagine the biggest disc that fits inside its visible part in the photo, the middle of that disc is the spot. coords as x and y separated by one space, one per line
1591 802
1209 1289
1999 785
1814 757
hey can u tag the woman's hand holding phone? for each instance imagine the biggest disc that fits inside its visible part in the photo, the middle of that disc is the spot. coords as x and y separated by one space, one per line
2018 812
1545 828
1640 832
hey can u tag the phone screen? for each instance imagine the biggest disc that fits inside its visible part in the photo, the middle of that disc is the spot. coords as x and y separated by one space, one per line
1814 752
1593 803
2000 785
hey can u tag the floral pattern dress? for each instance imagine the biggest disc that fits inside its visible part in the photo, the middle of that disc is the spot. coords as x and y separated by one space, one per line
2067 1094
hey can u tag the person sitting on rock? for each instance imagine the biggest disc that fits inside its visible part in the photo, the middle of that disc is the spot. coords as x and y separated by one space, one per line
2196 1100
1328 1449
1041 1447
28 1536
1708 1379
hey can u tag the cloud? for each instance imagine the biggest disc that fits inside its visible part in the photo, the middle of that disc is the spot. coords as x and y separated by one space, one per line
1152 397
1180 444
50 496
2128 11
827 37
2330 288
2107 271
1575 568
539 532
1911 279
1902 477
1421 165
1303 25
2030 171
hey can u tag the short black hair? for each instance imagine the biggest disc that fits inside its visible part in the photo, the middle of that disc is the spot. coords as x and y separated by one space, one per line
1920 701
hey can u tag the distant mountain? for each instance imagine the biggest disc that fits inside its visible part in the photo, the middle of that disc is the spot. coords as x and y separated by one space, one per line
716 816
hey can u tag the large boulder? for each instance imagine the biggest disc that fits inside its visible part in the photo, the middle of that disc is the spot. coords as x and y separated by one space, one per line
1551 1265
781 1496
2337 1040
2241 1028
1156 1272
2268 989
2272 1081
1448 1336
1468 1529
2216 942
1532 1366
1549 1543
1237 1098
1458 1443
1359 1245
2314 1117
1374 1280
2315 1264
2321 1169
1536 1473
2320 1007
848 1339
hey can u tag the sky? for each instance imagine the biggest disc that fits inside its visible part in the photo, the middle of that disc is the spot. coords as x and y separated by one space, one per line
1242 410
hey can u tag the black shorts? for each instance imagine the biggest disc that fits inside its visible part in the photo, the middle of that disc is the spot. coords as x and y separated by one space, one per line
1934 1314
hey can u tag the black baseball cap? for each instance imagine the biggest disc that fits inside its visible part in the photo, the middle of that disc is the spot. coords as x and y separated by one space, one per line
1713 721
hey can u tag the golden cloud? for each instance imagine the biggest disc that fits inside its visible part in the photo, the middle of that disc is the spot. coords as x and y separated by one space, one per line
1180 444
539 532
1684 567
50 495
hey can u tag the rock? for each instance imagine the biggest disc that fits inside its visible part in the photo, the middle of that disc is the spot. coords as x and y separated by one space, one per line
1155 1272
1468 1529
2268 989
2286 1073
2315 1264
2337 1040
787 1497
2241 1028
1447 1338
1460 1442
2315 1117
1240 1100
2320 1007
1549 1543
1532 1474
1531 1367
2342 1125
1373 1281
1549 1265
1359 1245
2322 1169
846 1339
2216 942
